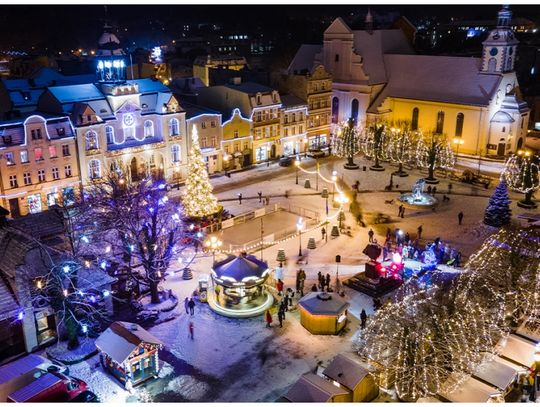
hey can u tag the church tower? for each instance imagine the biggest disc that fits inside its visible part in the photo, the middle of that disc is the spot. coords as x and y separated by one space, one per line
111 66
499 49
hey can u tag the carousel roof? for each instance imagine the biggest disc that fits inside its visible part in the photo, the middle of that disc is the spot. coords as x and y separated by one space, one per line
240 267
323 304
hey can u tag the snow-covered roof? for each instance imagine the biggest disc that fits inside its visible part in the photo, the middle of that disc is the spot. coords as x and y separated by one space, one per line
304 59
497 373
530 328
313 388
240 267
346 371
58 127
438 79
149 85
502 117
8 303
120 339
518 350
471 391
249 88
289 101
76 93
323 304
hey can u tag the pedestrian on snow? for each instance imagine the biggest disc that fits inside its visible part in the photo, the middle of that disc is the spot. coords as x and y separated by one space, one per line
449 188
323 232
419 230
363 318
260 196
268 318
297 285
190 329
402 211
327 283
434 190
279 286
267 200
186 305
314 288
281 317
290 295
370 234
284 304
320 278
240 199
460 217
191 305
429 189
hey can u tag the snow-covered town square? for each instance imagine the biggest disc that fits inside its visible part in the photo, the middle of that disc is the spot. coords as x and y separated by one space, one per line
342 211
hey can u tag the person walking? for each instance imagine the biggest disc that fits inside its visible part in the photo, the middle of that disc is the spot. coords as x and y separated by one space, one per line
190 327
402 211
314 288
268 318
320 278
434 190
449 188
267 200
363 318
370 234
279 286
281 317
186 305
260 196
240 199
460 217
327 282
323 232
419 230
290 296
191 305
399 211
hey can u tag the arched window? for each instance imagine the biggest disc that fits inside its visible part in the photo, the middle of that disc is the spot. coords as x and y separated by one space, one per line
440 122
174 127
175 153
335 109
91 140
414 121
148 128
459 124
94 169
492 65
109 133
354 110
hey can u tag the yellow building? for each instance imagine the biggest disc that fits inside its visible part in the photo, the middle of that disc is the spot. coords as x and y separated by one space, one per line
237 142
293 125
203 65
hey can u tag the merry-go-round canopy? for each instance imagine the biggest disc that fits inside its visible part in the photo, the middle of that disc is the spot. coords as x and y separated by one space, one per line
244 268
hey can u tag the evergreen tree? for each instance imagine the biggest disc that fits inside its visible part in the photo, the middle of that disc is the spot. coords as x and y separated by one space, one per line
498 212
347 144
197 198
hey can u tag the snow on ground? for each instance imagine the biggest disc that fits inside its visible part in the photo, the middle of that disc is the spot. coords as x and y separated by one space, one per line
60 351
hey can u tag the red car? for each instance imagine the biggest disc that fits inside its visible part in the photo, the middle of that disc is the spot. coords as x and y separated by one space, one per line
49 387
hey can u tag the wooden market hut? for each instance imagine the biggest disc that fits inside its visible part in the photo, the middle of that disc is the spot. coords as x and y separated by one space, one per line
129 352
470 391
499 373
323 313
352 375
311 388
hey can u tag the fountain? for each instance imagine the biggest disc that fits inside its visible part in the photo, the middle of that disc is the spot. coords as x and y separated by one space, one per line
418 199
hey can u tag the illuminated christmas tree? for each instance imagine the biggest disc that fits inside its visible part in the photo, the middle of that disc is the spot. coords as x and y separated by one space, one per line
498 212
433 152
198 198
347 144
522 174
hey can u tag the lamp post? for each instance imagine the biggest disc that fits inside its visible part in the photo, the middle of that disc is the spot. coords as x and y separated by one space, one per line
268 156
458 142
296 164
324 194
334 179
299 228
213 244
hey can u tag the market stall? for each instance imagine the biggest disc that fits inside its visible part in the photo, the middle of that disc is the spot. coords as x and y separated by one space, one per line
518 350
323 313
499 373
311 388
471 391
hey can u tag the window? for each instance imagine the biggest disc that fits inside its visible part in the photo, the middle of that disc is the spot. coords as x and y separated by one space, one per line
175 153
94 169
294 117
52 152
41 175
459 124
38 154
259 116
503 129
27 178
440 122
109 134
301 129
10 160
148 128
213 123
414 121
286 132
354 110
236 134
36 134
55 173
91 140
335 109
67 171
61 131
65 150
258 99
203 125
13 181
226 148
286 119
174 127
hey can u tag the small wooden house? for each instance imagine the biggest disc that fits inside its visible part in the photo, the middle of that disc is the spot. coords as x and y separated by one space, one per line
323 313
129 352
356 378
311 388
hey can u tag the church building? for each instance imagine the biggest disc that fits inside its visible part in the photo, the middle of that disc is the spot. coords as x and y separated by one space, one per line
475 102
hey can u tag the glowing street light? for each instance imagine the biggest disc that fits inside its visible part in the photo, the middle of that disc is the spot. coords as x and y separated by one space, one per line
226 163
458 141
213 244
299 228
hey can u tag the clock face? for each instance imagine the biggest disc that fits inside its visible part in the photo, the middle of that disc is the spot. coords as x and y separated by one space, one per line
493 51
128 119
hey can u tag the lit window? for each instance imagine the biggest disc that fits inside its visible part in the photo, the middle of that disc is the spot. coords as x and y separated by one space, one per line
52 152
174 127
55 173
24 156
94 169
109 133
38 154
148 128
41 175
175 153
91 140
9 159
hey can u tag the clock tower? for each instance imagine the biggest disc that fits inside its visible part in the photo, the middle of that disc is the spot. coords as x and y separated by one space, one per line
499 49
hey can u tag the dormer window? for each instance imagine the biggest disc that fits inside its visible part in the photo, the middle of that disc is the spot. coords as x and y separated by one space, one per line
89 117
144 105
259 98
60 131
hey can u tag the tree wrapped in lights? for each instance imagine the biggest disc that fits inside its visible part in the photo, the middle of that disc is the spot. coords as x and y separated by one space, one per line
375 143
132 224
498 212
198 199
521 175
347 143
433 152
401 141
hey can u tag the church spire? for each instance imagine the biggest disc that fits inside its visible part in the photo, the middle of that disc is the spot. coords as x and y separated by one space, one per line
369 21
499 49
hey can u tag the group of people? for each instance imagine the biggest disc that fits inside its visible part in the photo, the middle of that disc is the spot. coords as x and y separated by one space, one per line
324 282
189 304
259 194
284 304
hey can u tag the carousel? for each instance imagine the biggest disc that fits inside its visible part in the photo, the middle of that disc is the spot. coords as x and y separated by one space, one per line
238 289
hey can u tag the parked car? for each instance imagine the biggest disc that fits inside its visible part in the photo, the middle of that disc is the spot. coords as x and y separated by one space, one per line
86 397
316 153
50 387
286 161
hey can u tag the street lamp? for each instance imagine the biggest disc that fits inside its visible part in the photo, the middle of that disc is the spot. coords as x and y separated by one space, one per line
213 244
226 163
342 199
458 141
297 164
299 228
324 194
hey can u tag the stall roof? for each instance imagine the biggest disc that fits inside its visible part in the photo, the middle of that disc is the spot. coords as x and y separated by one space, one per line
316 304
313 388
517 349
122 338
530 329
497 373
471 391
346 371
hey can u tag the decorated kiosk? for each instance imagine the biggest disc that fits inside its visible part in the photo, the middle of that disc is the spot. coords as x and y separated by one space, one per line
323 313
129 352
238 287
